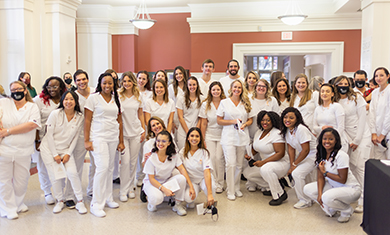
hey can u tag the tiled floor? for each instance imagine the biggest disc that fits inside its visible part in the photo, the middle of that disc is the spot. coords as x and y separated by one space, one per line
250 214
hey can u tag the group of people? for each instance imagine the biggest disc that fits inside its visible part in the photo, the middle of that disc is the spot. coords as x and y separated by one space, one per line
193 135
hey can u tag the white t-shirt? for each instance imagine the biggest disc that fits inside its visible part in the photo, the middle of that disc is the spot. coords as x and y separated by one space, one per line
162 171
213 130
82 99
145 95
265 146
259 105
62 135
331 116
307 110
45 111
196 164
204 87
300 136
341 161
379 117
104 125
227 81
162 111
229 111
283 105
357 91
171 93
131 124
190 114
18 144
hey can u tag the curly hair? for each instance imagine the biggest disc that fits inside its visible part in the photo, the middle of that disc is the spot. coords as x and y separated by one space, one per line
274 117
45 96
298 117
171 147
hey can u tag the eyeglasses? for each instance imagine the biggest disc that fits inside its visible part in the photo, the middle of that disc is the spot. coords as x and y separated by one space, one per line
52 87
262 86
17 90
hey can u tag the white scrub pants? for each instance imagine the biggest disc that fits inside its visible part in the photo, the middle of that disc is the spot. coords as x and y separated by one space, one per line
103 153
357 161
115 173
14 174
268 176
338 199
91 174
156 196
217 161
140 175
233 157
197 187
129 164
299 175
79 156
43 176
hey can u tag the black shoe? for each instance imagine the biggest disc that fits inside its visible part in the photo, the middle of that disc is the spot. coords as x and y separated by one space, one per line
243 178
278 201
142 194
267 193
117 181
70 204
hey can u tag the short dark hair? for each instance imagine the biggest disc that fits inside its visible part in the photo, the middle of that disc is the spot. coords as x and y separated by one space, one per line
207 61
361 72
78 72
233 60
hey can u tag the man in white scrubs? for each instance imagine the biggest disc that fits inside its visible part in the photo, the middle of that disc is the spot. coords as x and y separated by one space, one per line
205 80
233 68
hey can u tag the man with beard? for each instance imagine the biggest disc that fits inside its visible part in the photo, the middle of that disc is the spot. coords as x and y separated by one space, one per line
233 68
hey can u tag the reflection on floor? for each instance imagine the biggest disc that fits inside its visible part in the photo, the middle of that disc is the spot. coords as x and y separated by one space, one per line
250 214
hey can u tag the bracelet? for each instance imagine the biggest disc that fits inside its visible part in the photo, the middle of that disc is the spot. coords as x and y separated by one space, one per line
294 164
326 172
37 141
8 132
159 188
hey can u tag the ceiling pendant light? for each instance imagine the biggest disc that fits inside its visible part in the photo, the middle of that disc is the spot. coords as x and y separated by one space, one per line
142 19
293 15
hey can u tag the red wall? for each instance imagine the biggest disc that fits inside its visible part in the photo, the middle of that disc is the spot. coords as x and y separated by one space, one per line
124 53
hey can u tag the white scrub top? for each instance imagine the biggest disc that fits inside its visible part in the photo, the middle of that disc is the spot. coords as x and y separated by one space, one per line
307 110
204 87
171 93
62 135
162 171
196 164
162 111
265 146
331 116
379 117
229 111
82 99
104 124
145 95
227 81
341 161
283 105
190 114
213 130
132 126
301 135
45 111
271 104
18 144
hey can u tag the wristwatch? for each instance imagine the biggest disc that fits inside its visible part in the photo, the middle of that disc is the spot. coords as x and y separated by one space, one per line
326 172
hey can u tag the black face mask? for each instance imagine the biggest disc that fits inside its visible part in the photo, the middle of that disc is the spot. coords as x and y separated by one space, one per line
18 95
68 81
360 84
343 89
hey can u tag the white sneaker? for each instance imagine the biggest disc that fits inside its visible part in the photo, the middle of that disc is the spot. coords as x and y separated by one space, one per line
49 199
123 198
152 208
139 182
219 190
252 189
343 219
328 211
179 209
12 216
302 204
191 205
58 207
231 197
132 195
23 208
112 204
359 209
239 194
81 208
97 212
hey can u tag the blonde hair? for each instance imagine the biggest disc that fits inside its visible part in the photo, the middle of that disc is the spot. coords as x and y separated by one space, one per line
267 93
209 98
351 94
247 76
243 96
306 97
27 96
134 89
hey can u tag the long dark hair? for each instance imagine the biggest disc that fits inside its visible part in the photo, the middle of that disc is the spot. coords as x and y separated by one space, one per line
197 93
321 151
76 99
275 92
21 75
187 145
45 96
298 116
274 117
99 88
147 85
171 147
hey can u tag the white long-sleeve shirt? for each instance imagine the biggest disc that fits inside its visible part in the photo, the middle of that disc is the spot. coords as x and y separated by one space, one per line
330 116
379 117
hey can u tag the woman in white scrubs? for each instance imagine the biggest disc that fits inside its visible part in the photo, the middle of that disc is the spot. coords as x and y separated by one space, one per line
47 101
188 107
196 160
63 129
234 115
282 93
336 187
158 169
17 135
160 104
262 100
251 79
304 99
103 135
211 132
160 74
273 163
356 130
379 116
133 132
299 140
175 90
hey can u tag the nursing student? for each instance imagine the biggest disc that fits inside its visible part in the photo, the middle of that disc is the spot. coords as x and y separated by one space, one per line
103 136
251 79
176 89
211 132
63 129
234 115
133 132
188 107
17 136
47 101
282 93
